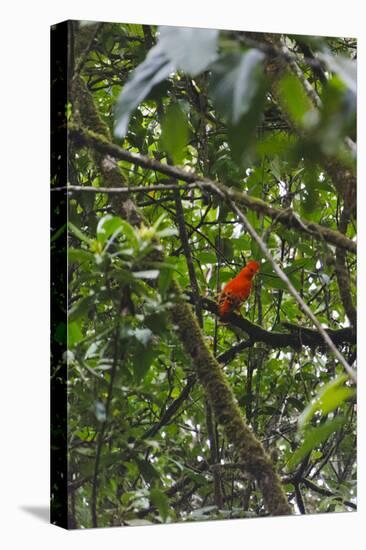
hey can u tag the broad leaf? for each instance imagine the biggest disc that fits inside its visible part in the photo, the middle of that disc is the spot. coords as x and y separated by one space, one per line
79 255
238 92
147 470
143 358
295 101
174 137
331 396
189 49
236 79
74 334
156 67
107 226
159 499
78 233
313 438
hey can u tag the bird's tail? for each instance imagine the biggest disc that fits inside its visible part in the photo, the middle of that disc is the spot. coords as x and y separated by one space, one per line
224 307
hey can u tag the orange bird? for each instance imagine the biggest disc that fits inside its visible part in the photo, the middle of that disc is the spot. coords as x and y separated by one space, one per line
236 291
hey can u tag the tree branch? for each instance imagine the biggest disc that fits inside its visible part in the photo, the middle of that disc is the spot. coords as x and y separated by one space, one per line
342 273
171 410
126 190
296 338
286 217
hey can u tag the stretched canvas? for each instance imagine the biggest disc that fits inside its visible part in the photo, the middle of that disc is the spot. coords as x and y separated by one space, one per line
203 247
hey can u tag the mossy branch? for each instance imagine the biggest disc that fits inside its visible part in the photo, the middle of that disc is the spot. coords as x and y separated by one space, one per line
343 275
286 217
226 409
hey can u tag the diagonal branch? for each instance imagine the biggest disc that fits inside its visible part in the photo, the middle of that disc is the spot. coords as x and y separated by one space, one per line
172 409
286 217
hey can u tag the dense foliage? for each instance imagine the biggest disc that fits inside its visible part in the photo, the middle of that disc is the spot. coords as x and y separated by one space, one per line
270 116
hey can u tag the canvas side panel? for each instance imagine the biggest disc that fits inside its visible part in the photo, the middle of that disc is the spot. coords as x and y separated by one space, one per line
59 41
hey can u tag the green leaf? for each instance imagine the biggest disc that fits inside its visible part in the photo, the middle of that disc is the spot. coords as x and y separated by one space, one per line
295 101
78 233
107 226
189 49
159 221
79 255
159 499
174 136
255 249
225 246
296 265
147 470
338 119
207 257
277 283
167 232
74 334
313 438
147 274
142 360
331 396
156 67
80 308
310 197
236 79
123 276
166 275
58 233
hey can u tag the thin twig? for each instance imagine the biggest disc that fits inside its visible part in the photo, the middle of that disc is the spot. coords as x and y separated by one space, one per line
125 190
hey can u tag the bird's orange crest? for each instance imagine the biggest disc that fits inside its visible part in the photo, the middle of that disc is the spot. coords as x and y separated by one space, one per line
253 265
